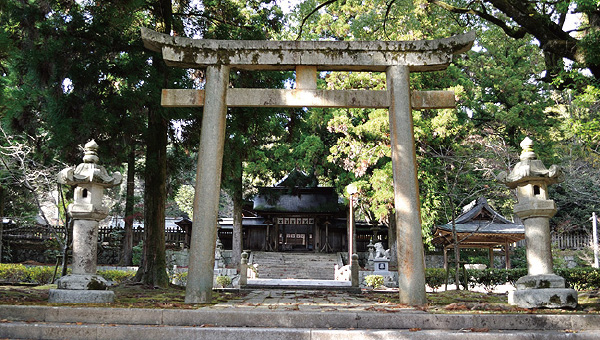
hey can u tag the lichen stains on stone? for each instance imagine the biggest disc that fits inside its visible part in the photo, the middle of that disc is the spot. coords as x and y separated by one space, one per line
544 284
555 300
95 284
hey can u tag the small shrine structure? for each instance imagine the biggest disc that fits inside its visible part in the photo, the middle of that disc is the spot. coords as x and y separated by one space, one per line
479 226
396 58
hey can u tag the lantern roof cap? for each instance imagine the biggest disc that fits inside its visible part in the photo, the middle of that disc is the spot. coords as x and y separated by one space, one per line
530 169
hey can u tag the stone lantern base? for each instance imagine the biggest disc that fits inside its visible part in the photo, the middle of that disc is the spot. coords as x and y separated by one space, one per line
81 288
543 291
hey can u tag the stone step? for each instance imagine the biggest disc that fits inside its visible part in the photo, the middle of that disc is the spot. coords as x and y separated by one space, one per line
51 322
316 266
26 330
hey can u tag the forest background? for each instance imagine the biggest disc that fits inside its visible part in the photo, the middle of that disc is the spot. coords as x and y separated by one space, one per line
72 71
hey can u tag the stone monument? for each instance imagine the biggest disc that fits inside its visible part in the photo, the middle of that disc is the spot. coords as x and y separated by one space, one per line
540 287
381 260
89 179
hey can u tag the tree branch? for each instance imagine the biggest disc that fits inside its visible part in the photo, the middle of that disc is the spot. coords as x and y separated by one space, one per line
516 33
326 3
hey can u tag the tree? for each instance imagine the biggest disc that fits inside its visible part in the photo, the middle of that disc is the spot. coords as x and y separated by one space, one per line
544 20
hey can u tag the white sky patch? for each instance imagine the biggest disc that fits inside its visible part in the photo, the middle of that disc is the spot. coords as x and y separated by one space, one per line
288 5
67 86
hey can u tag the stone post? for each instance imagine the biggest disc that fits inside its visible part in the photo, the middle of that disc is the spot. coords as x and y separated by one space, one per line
90 179
354 271
244 270
541 287
208 187
409 241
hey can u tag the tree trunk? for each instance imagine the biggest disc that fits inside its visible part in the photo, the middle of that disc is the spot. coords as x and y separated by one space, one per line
126 251
153 266
456 250
237 239
392 241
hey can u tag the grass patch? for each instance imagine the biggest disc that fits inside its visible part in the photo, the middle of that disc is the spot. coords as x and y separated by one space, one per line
463 301
126 296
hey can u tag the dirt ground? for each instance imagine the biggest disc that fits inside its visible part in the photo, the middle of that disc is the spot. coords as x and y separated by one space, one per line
129 295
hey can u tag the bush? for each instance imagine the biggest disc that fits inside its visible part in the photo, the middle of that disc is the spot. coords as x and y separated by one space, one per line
374 281
116 276
180 278
580 278
435 277
223 281
489 278
13 272
512 275
41 275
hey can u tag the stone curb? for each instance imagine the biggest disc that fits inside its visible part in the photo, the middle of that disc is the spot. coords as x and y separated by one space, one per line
21 330
294 319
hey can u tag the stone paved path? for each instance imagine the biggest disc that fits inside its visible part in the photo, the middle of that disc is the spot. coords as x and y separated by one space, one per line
307 300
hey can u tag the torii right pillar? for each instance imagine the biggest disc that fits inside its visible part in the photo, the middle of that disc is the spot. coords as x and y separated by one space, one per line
540 288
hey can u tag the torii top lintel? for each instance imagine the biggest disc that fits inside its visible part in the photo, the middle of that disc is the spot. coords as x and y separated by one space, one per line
419 55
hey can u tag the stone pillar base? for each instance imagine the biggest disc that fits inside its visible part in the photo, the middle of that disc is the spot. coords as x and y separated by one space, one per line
81 296
544 298
82 282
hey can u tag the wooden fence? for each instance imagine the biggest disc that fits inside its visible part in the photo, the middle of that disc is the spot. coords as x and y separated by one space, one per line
570 241
175 235
106 234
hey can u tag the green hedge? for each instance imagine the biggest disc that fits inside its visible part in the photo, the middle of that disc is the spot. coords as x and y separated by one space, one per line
117 276
18 273
578 278
435 277
583 278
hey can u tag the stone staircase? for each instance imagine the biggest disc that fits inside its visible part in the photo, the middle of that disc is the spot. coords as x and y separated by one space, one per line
313 266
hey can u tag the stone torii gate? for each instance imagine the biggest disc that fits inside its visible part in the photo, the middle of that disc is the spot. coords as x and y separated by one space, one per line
396 58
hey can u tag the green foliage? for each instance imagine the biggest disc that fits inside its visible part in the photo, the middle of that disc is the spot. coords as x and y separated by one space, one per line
180 278
136 253
489 278
40 274
13 272
185 199
518 258
435 277
223 281
580 278
53 250
16 273
374 281
117 276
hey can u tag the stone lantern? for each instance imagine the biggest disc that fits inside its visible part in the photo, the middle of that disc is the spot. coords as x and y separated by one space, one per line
541 287
87 209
